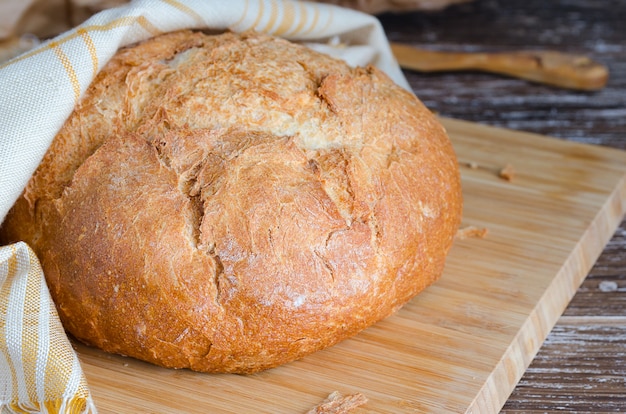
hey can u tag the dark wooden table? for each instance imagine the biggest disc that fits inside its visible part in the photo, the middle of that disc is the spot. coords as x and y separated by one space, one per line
581 367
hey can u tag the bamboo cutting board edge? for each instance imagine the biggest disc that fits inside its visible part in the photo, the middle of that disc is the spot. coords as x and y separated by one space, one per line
518 356
483 391
540 322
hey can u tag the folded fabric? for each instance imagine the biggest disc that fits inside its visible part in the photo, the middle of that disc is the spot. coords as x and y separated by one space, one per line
41 87
47 18
39 370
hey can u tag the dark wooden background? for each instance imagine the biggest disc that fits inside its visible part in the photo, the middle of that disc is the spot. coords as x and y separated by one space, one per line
581 367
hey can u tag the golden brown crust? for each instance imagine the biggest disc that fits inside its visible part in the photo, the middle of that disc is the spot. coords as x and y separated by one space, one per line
231 203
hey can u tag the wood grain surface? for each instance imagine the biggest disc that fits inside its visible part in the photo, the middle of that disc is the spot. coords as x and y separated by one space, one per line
463 344
581 367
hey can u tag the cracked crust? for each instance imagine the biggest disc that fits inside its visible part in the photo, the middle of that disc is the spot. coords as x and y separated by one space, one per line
231 203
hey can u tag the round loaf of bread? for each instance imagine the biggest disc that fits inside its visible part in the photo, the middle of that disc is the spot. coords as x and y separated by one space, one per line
230 203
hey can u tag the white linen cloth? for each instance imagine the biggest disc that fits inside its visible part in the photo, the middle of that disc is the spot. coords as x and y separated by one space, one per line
39 370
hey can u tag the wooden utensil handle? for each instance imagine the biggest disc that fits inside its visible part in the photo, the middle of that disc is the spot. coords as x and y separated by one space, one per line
549 67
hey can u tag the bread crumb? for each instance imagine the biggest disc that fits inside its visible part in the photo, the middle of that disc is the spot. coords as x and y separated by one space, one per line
507 172
471 231
336 403
473 165
607 286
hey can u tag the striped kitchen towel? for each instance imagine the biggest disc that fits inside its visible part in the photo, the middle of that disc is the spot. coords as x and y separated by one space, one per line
41 87
39 370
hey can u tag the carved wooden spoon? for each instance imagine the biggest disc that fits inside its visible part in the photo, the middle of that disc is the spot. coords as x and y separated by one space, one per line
548 67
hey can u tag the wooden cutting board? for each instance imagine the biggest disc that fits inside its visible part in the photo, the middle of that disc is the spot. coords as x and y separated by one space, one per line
464 343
